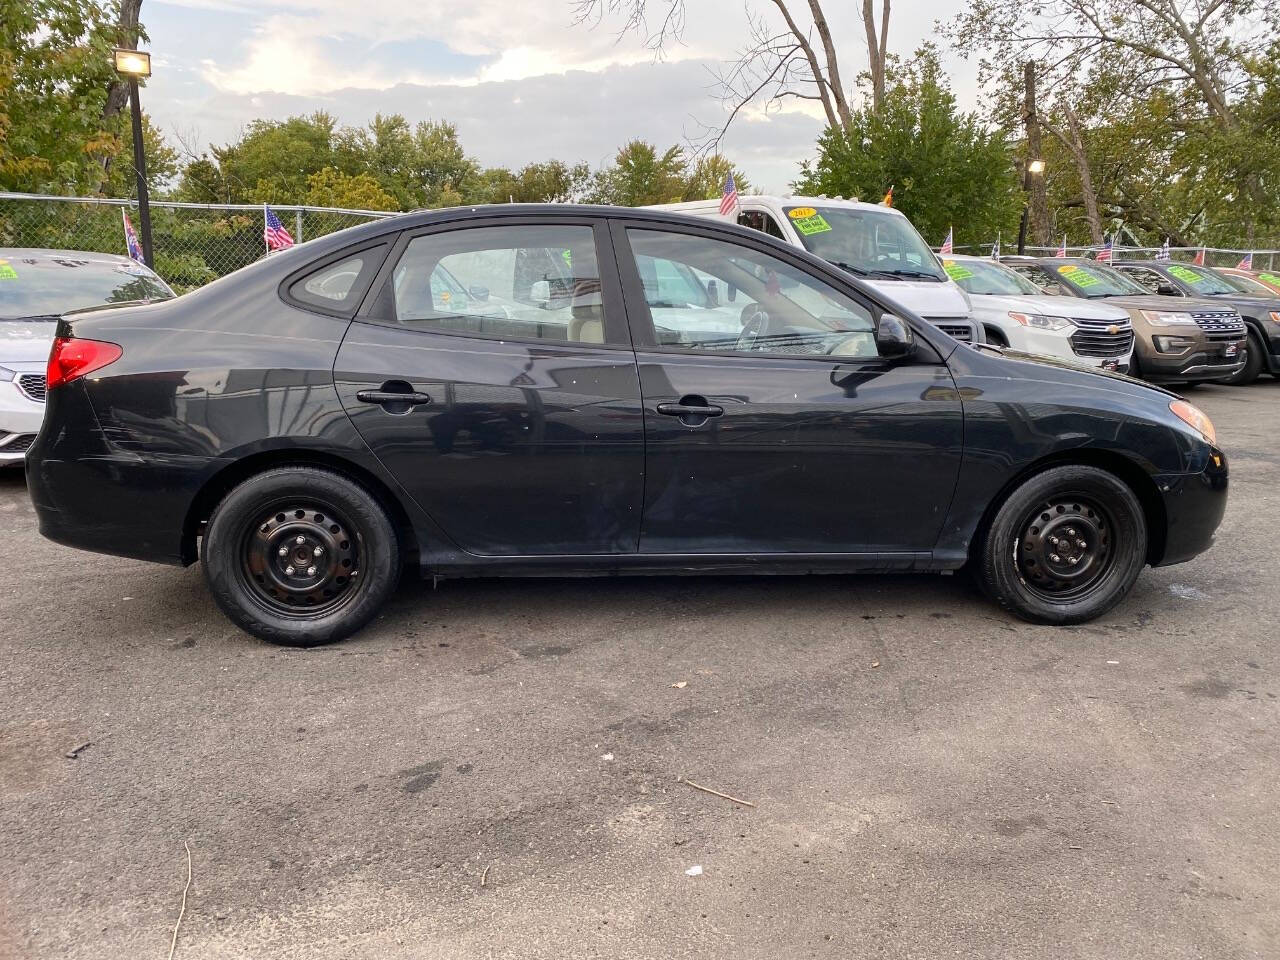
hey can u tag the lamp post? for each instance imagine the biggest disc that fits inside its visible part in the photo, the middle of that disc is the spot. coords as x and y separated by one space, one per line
134 64
1033 168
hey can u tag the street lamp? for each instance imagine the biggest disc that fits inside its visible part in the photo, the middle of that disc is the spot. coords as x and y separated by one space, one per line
1034 168
134 64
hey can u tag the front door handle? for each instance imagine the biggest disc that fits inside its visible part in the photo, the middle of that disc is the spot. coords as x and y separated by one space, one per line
413 398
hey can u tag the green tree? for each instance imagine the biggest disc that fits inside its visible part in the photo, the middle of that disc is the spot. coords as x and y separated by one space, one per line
271 162
706 180
948 170
551 181
333 188
639 175
162 162
55 77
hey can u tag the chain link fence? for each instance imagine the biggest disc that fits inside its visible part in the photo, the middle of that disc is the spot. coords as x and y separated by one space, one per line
192 243
1213 256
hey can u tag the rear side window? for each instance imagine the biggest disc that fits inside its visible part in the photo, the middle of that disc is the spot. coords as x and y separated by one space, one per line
539 282
338 285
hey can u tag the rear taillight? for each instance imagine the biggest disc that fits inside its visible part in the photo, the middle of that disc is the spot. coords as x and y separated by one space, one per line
71 358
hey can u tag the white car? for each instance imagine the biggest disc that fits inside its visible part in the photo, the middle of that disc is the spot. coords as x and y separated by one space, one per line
36 287
1014 313
876 244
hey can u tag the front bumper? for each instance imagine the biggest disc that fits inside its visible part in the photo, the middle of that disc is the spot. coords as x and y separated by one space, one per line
1203 360
1194 504
20 419
1057 344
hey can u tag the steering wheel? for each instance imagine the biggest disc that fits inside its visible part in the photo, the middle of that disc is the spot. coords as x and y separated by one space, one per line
754 319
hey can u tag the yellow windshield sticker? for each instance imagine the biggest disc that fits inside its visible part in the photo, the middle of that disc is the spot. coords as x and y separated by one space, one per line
1182 273
956 271
811 225
1078 275
7 272
802 213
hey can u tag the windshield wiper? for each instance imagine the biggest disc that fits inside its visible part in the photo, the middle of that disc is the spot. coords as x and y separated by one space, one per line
917 274
856 271
987 346
33 316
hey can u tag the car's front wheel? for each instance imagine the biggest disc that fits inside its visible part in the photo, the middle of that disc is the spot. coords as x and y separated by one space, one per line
1252 351
1065 547
300 556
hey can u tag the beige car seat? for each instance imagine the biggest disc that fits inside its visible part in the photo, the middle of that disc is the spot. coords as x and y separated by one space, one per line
586 312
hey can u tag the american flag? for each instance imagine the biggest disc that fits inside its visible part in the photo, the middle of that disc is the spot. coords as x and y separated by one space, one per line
1246 262
131 244
1199 260
1061 252
273 231
729 199
1104 255
947 250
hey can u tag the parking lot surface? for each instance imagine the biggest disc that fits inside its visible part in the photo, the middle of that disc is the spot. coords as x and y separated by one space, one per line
494 769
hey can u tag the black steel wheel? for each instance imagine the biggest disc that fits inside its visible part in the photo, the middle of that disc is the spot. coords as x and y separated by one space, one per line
300 556
1065 546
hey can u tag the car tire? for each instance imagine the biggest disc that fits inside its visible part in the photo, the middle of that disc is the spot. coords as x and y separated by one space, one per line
263 532
1093 519
1252 363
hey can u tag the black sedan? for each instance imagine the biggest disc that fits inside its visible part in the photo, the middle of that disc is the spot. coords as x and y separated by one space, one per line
529 390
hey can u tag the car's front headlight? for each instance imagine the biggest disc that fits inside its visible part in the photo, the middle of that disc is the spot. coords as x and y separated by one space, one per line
1195 418
1168 318
1040 321
1275 316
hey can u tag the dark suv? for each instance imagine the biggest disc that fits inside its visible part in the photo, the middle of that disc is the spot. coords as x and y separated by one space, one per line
1176 340
1260 313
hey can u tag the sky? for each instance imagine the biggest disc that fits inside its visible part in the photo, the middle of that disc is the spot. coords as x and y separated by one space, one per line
521 80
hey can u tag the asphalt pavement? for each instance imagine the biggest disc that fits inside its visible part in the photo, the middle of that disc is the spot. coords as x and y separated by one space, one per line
497 769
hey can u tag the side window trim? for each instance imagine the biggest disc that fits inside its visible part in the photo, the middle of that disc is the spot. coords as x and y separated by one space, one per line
640 318
379 305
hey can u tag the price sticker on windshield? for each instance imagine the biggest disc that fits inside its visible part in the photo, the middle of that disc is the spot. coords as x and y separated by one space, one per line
807 226
956 271
1079 276
1182 273
7 272
1270 278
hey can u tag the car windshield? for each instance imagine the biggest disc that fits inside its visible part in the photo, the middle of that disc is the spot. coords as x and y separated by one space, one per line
1201 279
989 277
867 243
44 286
1096 280
1244 284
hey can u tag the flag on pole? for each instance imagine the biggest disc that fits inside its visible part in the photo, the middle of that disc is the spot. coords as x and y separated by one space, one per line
729 198
273 231
947 248
1164 251
1199 260
1104 255
888 197
1061 252
995 247
131 244
1246 262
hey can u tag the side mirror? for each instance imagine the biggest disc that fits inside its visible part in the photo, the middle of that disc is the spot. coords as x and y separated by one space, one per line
540 292
894 339
713 294
479 292
1166 289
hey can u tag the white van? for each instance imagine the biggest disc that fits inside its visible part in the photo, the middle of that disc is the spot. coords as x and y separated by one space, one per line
876 244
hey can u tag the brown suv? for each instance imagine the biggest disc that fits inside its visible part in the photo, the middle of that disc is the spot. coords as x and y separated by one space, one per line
1177 339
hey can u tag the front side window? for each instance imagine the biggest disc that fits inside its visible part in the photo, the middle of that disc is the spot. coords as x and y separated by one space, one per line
521 282
759 220
866 242
1148 278
770 307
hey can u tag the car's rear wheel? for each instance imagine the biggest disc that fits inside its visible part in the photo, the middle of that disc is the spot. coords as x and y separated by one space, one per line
1252 350
300 556
1065 547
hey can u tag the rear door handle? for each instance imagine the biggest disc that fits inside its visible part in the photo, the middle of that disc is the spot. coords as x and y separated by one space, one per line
392 398
690 410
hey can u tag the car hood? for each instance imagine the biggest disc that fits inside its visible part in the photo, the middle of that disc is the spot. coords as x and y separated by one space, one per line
26 341
1152 301
933 300
1062 364
1052 306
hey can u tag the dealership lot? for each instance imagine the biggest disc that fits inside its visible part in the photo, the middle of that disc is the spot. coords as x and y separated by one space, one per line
493 769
